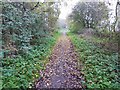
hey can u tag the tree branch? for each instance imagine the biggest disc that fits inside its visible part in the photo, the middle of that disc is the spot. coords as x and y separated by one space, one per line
35 6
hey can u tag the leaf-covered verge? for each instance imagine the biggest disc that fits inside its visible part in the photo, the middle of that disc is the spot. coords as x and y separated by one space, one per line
100 68
22 71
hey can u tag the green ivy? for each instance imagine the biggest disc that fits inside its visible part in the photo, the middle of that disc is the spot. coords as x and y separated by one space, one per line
22 71
99 66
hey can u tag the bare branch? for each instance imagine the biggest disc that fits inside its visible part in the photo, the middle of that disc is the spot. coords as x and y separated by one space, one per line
35 6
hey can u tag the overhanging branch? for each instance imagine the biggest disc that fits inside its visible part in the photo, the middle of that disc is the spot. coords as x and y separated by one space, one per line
35 6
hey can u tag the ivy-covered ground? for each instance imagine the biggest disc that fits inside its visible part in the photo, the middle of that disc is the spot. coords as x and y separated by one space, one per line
23 71
100 67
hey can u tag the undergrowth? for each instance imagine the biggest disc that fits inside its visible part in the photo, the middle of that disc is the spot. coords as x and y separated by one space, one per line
99 67
22 71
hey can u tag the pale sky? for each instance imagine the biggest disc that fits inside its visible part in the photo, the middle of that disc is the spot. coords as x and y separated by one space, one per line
66 9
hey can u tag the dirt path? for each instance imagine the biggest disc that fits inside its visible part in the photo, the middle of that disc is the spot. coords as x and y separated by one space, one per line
61 72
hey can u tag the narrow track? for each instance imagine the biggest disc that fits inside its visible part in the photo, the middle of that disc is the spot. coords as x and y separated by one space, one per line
61 71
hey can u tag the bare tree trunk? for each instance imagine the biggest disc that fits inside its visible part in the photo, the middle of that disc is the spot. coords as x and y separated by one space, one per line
116 14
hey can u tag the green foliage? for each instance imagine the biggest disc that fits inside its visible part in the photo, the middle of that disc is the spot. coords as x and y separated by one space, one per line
89 15
22 71
76 27
23 27
100 67
26 32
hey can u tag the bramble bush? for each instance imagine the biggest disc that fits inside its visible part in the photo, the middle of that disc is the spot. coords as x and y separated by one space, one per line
27 39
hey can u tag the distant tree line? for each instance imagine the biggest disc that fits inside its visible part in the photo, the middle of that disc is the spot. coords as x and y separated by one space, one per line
95 15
